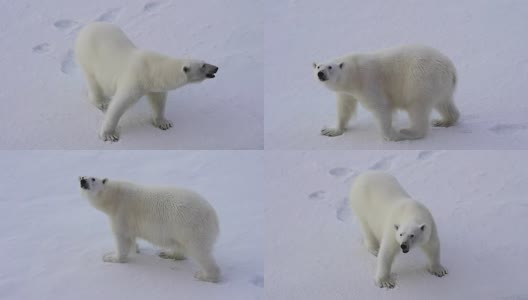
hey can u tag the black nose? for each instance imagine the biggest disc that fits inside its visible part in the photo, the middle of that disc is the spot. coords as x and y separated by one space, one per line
215 69
320 75
404 247
84 184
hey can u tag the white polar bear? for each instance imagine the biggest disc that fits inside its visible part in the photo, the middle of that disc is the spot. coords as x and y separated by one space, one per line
391 220
172 218
412 78
114 67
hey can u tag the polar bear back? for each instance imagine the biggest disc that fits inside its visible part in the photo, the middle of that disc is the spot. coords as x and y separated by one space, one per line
161 214
378 198
407 73
103 51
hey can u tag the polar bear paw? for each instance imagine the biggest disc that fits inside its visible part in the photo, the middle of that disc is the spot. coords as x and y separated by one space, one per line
201 275
373 251
387 282
110 257
171 255
394 137
162 124
102 106
439 270
332 131
109 136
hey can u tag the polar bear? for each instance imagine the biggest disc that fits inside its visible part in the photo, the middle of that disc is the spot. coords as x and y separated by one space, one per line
172 218
416 79
391 220
114 67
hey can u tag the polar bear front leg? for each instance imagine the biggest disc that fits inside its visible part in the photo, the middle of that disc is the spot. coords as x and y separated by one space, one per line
157 102
384 116
386 255
432 250
124 244
346 107
121 102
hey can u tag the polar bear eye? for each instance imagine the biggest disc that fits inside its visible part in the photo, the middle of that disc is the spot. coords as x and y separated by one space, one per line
412 236
93 179
401 234
330 68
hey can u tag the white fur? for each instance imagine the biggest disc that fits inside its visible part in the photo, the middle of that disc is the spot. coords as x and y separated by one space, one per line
416 79
390 218
115 68
172 218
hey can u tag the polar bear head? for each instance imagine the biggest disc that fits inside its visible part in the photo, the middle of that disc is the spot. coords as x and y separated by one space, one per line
408 235
197 70
330 74
92 184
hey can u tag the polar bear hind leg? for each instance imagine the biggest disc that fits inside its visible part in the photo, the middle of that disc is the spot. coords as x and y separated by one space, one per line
122 100
208 269
95 93
370 241
157 102
419 116
346 107
448 112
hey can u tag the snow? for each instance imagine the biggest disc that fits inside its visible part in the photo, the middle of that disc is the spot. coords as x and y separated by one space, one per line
53 240
314 248
44 94
484 39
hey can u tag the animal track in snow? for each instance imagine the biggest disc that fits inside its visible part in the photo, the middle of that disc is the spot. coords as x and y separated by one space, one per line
339 172
318 195
65 24
343 210
257 280
508 128
423 155
109 16
67 63
382 164
41 48
151 6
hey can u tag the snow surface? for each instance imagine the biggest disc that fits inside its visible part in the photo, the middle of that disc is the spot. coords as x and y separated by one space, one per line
478 199
485 39
53 240
44 98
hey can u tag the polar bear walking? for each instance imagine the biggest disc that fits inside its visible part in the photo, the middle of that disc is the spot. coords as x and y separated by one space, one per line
172 218
416 79
391 221
115 68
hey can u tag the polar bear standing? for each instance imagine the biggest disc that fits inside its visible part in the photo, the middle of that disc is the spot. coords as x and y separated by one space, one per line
114 67
173 218
416 79
391 220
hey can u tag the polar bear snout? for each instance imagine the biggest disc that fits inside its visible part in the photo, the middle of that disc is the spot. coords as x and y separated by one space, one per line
210 70
84 183
404 248
321 75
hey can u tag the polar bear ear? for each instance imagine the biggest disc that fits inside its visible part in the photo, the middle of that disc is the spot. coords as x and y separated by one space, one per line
396 226
341 65
314 65
186 69
105 180
422 227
